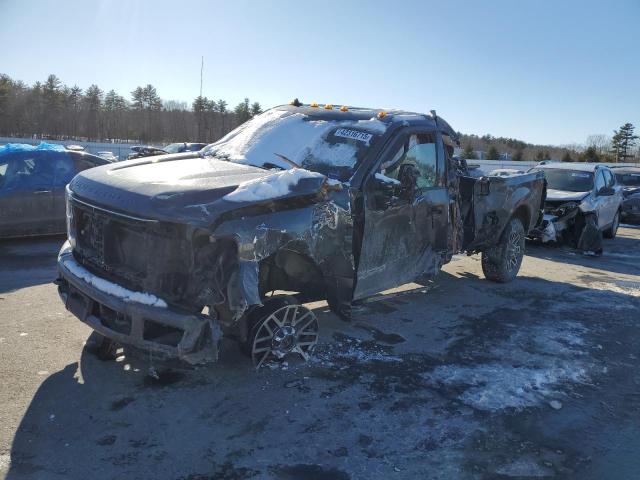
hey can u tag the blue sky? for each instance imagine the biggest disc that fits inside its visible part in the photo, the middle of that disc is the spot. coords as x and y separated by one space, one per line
542 71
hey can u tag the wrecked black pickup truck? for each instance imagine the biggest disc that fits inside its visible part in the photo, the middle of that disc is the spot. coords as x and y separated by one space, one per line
169 253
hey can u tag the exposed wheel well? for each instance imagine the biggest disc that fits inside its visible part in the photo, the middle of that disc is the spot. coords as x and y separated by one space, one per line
523 214
292 271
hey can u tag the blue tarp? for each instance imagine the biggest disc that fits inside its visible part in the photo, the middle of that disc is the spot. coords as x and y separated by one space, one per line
24 147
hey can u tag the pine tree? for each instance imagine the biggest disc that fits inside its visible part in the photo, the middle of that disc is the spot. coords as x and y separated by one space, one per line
567 157
519 155
623 142
493 154
469 153
256 109
243 111
590 155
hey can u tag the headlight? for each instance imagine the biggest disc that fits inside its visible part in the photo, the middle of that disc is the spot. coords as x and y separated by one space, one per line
71 236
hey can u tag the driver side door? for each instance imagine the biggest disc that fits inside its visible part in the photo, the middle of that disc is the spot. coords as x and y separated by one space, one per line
405 203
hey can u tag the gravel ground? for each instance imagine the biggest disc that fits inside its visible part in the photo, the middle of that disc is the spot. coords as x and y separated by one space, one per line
459 378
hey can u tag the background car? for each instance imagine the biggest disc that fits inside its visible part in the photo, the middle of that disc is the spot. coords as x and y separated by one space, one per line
140 151
32 187
505 172
109 156
184 147
583 199
629 179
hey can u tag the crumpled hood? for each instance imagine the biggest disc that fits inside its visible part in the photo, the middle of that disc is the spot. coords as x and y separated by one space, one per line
563 195
177 188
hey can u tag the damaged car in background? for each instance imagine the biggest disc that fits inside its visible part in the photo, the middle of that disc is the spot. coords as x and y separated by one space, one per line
167 254
582 205
629 180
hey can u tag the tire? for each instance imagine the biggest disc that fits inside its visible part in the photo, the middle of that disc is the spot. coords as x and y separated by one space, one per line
501 262
613 229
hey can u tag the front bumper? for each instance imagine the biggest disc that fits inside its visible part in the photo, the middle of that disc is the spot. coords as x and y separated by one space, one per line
631 211
160 330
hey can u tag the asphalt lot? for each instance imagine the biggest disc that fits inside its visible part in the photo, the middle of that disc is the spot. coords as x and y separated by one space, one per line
461 379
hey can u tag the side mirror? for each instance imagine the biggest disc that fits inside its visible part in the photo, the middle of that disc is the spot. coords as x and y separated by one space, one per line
606 191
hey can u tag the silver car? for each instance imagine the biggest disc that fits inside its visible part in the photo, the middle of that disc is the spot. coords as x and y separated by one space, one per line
583 199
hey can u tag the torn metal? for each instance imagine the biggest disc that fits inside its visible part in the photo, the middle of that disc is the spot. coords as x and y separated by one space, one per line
572 224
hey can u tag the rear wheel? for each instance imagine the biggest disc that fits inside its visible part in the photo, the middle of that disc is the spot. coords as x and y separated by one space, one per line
613 229
281 330
501 262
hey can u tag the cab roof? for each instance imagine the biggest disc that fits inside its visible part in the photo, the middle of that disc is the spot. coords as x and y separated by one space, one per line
389 116
580 167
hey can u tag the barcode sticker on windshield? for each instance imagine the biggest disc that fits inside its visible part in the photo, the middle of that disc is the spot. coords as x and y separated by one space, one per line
353 134
581 175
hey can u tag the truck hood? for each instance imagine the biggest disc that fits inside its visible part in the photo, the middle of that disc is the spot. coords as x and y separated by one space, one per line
565 196
181 188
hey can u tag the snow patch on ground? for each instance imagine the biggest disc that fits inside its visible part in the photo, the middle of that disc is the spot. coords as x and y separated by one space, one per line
528 368
111 288
276 185
497 386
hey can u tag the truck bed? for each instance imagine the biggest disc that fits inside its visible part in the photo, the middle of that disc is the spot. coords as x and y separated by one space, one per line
487 204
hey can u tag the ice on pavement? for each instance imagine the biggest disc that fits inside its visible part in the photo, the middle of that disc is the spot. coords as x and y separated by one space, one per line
273 186
528 368
111 288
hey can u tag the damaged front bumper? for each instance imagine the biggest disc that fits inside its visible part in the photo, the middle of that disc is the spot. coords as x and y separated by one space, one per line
129 318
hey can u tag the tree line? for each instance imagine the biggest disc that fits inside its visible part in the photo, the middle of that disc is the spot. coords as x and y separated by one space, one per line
53 110
620 147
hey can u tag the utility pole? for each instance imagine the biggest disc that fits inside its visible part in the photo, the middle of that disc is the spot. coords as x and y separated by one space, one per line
201 69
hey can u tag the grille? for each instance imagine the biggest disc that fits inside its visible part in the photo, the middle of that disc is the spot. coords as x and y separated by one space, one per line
139 254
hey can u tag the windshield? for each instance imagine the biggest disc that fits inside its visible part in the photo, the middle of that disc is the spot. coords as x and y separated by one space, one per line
628 179
568 180
283 138
174 147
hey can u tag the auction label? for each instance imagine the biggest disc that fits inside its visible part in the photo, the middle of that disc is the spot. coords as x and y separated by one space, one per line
353 134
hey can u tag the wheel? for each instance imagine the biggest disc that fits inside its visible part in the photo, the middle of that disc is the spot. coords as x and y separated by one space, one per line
279 332
501 262
613 229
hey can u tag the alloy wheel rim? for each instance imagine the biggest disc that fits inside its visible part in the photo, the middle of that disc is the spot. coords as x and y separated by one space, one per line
292 329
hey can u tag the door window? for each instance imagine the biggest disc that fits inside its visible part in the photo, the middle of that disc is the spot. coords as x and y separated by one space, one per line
64 170
599 181
27 172
608 178
420 151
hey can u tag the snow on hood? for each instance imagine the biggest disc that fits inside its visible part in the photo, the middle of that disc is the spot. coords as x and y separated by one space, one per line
273 186
557 195
290 134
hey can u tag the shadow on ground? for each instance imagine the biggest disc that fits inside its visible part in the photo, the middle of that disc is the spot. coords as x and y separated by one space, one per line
458 382
28 262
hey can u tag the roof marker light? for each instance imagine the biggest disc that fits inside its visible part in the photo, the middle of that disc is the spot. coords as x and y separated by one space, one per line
314 105
328 106
344 108
382 114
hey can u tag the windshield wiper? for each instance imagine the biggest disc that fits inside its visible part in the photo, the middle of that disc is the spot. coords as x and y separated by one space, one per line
286 160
